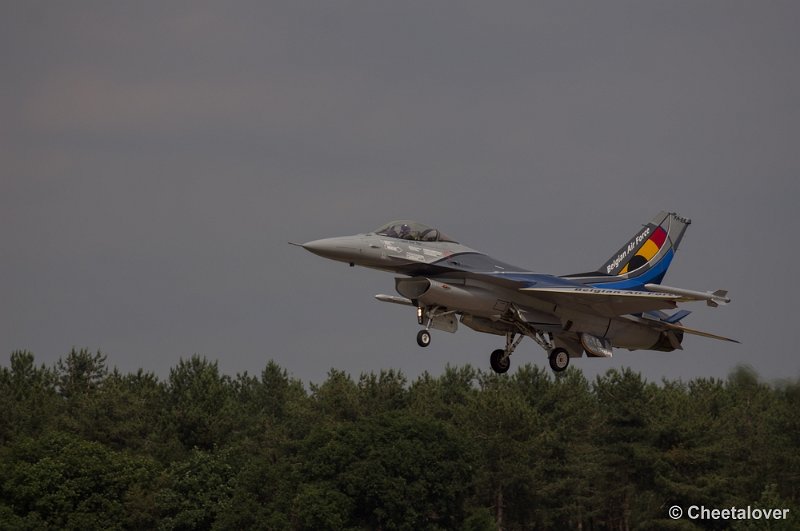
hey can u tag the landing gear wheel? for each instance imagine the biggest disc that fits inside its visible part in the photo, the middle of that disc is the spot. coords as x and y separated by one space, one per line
559 359
423 338
499 365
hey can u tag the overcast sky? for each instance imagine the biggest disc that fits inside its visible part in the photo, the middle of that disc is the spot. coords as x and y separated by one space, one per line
156 157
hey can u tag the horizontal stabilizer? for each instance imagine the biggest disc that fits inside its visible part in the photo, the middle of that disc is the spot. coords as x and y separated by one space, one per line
699 332
394 299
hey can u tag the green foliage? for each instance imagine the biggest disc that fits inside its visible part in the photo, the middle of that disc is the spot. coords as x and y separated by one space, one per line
29 401
62 481
195 491
80 373
394 470
85 447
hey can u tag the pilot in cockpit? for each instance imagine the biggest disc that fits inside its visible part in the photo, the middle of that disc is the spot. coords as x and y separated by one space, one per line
405 232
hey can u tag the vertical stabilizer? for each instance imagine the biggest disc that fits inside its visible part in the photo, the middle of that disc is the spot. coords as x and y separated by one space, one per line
647 255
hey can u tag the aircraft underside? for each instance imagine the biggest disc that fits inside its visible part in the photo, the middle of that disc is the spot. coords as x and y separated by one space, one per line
564 333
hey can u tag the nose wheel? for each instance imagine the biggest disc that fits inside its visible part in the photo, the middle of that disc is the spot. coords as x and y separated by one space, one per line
423 338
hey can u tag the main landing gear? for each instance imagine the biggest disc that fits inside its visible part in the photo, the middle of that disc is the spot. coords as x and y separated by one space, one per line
500 359
559 359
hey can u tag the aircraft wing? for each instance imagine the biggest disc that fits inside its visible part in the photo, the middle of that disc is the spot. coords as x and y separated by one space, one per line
606 302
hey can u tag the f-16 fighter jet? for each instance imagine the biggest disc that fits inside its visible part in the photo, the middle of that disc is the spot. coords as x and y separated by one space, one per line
621 304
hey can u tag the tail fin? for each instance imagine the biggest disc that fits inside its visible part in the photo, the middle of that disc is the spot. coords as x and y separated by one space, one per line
647 255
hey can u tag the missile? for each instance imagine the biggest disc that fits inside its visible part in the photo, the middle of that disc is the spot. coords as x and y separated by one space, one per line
394 299
713 299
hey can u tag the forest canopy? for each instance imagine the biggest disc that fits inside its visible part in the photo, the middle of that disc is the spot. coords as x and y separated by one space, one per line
85 446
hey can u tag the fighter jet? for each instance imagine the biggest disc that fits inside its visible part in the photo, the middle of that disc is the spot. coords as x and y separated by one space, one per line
621 304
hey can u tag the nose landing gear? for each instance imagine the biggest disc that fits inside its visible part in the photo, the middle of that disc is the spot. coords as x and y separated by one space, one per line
423 338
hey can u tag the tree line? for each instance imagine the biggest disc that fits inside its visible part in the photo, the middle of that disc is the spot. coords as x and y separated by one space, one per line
83 446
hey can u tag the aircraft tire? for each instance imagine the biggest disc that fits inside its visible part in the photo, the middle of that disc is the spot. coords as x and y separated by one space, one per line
423 338
559 359
499 366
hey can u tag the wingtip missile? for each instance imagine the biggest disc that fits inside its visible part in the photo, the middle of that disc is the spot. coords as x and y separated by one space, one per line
714 299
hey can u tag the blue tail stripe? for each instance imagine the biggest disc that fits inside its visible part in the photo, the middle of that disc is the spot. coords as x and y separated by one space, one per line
654 275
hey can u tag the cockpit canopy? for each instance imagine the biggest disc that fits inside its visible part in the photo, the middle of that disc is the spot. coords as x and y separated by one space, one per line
411 230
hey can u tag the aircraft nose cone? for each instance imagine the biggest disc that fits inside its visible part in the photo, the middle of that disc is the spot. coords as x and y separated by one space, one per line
320 247
333 248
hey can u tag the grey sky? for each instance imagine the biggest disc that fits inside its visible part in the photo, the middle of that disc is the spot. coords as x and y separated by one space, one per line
155 158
